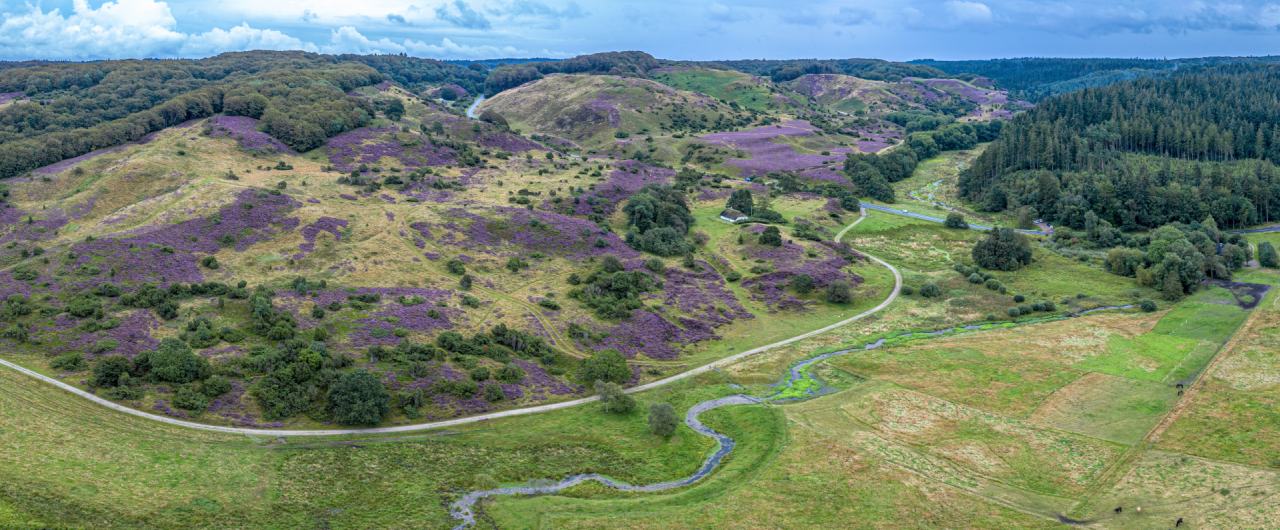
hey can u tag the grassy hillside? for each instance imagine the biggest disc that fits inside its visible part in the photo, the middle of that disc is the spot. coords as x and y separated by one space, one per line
600 112
748 92
446 256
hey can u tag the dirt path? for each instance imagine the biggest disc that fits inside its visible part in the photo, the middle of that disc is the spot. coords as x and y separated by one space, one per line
893 295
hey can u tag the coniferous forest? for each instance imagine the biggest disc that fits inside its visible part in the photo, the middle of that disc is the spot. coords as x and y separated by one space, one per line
1143 153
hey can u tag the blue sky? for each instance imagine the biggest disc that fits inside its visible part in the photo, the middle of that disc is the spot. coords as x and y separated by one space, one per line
692 29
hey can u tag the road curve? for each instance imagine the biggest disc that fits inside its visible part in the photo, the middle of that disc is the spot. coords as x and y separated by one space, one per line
720 363
475 105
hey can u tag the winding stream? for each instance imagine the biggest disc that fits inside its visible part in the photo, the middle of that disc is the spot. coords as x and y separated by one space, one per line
799 384
462 508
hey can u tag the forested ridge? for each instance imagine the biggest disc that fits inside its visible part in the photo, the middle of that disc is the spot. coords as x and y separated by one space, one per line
1143 153
787 69
630 64
80 107
1035 78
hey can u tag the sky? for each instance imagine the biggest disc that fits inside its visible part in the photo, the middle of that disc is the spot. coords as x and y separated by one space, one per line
689 29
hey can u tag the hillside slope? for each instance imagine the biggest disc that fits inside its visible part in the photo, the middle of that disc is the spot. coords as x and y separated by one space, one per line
600 110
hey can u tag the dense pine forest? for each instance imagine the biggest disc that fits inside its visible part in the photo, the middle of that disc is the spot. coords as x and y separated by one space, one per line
1036 78
1143 153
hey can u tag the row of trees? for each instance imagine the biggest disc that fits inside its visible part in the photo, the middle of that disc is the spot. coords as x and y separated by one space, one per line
872 174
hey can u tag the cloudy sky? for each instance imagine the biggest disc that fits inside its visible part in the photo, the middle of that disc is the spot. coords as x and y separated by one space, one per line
685 29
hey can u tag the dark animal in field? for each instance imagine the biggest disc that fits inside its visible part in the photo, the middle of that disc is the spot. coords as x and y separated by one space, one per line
1119 509
1179 386
1178 524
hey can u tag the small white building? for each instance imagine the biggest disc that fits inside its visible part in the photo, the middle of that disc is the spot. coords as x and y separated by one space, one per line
731 215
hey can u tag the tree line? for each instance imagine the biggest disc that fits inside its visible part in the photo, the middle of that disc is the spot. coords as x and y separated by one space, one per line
301 98
1144 153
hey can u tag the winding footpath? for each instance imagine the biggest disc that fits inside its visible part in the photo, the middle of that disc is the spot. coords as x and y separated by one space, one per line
897 288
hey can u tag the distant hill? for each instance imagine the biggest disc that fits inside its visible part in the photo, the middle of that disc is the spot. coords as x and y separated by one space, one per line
1035 78
601 110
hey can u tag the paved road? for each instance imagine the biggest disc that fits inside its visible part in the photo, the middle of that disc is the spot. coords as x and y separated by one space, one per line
897 288
923 217
1258 230
471 110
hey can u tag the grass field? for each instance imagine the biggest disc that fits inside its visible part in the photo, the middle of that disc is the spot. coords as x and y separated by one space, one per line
1236 417
726 85
67 461
1014 433
926 252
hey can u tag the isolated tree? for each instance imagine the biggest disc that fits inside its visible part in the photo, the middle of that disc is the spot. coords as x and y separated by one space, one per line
1267 256
930 290
838 292
1003 249
955 220
741 201
605 365
662 419
358 398
393 108
613 399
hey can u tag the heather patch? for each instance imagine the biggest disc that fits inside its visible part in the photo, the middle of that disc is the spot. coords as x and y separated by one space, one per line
167 254
19 225
823 263
627 178
767 153
506 141
702 294
958 88
540 385
231 407
332 225
649 333
130 337
533 231
245 131
409 309
370 145
6 97
11 286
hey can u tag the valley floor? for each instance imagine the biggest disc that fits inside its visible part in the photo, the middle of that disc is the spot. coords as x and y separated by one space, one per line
999 428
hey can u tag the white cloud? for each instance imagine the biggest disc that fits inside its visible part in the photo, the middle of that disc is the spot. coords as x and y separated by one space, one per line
964 11
147 28
116 29
240 38
348 39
